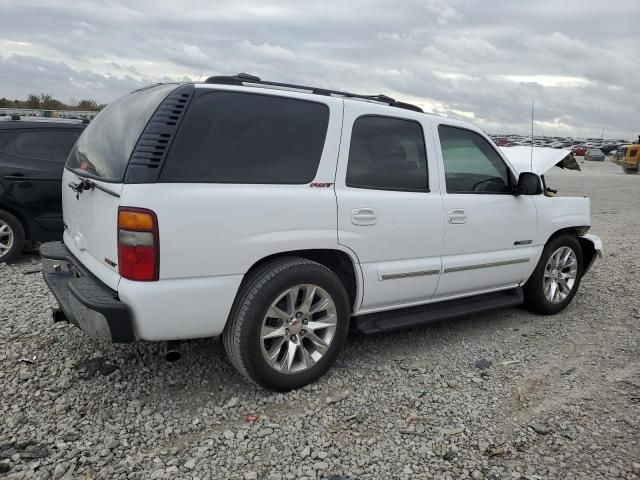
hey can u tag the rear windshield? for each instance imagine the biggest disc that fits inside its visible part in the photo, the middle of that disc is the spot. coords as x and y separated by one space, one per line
230 137
103 150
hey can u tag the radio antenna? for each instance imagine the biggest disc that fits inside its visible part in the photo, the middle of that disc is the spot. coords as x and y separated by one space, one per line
532 113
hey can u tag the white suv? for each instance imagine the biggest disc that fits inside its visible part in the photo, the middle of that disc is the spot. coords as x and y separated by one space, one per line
278 216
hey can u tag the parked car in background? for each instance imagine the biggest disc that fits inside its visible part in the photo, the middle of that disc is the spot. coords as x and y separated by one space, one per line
579 151
594 154
609 148
32 156
279 216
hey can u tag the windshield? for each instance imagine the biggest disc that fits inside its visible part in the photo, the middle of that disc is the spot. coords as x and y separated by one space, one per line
104 148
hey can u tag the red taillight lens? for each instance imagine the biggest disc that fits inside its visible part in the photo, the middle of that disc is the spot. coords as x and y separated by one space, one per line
138 244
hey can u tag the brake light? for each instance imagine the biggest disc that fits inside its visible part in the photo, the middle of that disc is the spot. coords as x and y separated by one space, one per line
138 244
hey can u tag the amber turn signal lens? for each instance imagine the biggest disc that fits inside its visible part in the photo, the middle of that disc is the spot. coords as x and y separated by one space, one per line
135 220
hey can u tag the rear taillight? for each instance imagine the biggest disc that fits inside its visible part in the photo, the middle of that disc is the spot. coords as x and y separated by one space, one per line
138 244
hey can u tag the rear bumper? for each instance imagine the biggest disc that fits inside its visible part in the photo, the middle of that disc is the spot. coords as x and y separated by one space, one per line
86 301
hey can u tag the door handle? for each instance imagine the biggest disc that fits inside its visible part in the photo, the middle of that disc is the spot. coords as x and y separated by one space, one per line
364 216
16 177
457 215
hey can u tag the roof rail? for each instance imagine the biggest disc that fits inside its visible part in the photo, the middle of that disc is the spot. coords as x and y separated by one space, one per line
244 78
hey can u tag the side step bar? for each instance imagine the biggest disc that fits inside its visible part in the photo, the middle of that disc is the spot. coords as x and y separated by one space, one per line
435 312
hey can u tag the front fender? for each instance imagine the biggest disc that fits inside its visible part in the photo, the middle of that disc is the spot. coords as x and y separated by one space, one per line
591 248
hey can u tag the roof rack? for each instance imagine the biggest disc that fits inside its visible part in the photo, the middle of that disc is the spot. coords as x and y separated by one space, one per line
244 78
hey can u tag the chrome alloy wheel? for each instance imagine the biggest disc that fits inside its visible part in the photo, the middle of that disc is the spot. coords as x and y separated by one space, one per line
560 274
6 238
298 328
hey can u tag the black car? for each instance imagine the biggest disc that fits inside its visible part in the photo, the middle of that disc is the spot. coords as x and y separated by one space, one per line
32 156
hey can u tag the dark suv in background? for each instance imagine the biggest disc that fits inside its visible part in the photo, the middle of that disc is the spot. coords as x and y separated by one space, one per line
32 156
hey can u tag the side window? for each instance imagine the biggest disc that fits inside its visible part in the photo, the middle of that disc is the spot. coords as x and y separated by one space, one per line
230 137
4 136
471 165
53 145
387 154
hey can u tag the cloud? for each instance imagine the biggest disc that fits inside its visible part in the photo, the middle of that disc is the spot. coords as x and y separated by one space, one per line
578 61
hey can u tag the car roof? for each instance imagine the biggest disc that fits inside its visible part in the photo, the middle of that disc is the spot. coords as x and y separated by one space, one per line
393 111
7 123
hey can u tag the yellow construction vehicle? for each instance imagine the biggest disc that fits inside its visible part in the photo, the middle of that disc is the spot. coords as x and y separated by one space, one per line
628 157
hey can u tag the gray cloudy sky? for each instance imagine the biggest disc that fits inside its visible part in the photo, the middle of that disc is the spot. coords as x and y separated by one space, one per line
478 60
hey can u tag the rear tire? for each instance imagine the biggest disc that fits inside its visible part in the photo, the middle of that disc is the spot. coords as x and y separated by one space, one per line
276 334
11 237
630 171
557 276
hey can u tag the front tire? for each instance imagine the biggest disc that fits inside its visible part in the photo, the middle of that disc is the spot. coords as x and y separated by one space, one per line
557 276
288 324
11 237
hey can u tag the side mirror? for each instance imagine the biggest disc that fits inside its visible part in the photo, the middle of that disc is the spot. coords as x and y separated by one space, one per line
528 184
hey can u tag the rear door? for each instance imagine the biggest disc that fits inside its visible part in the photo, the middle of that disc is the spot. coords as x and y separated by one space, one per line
389 204
489 232
101 157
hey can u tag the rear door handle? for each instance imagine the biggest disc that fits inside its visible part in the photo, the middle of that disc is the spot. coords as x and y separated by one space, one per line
457 215
364 216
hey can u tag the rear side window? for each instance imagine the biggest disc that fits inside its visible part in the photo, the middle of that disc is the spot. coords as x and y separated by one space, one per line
633 153
471 164
229 137
387 154
53 145
104 148
4 136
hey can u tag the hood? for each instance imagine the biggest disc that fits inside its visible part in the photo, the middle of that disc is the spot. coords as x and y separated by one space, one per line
543 159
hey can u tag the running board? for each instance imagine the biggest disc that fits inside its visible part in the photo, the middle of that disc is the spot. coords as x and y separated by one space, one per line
435 312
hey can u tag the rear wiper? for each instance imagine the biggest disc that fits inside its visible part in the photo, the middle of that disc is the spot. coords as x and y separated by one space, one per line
87 184
80 187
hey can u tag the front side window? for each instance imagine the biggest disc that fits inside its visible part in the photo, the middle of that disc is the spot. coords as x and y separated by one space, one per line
387 154
230 137
471 165
53 145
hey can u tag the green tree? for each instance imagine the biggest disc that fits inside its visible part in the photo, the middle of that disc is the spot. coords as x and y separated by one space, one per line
33 101
5 103
88 105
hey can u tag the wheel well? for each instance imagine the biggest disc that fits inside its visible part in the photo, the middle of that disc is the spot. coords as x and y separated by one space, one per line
18 215
335 260
588 250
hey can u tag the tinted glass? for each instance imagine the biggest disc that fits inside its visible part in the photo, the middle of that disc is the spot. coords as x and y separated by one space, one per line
104 148
471 165
230 137
387 154
4 136
53 145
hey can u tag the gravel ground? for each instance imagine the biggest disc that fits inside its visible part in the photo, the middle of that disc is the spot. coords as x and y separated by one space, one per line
502 395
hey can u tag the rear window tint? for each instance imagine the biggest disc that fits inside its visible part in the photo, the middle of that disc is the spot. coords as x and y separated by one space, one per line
104 148
52 145
229 137
4 136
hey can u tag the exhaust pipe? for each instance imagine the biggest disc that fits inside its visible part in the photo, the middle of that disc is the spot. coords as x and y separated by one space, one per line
172 352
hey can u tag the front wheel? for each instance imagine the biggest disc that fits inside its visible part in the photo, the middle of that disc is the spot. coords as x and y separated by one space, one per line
288 324
557 276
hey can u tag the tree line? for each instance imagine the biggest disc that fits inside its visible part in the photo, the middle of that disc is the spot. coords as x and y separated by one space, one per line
45 101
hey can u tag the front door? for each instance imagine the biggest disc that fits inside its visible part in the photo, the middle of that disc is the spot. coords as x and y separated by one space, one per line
389 206
489 232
